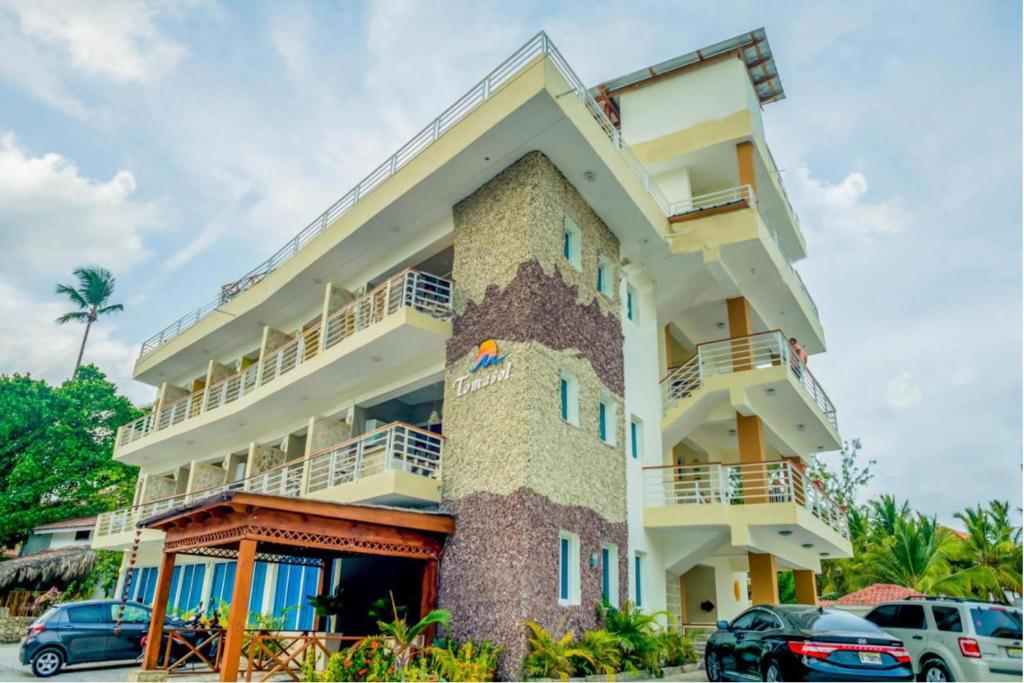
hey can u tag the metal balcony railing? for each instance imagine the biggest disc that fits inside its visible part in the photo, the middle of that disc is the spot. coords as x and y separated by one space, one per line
396 446
738 354
410 288
744 194
537 46
743 484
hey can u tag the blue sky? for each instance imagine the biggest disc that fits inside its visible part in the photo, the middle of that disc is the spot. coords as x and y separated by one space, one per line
179 144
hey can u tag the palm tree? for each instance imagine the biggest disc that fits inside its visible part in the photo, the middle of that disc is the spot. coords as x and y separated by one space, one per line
917 555
95 287
992 549
886 513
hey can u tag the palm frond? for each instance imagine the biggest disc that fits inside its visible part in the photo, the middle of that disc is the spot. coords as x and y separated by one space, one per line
73 294
110 309
73 316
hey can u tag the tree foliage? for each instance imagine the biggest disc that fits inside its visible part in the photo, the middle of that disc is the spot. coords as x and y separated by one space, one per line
56 444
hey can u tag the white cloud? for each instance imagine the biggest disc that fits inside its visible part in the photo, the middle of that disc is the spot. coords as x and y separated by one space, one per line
31 341
53 218
114 39
844 206
902 393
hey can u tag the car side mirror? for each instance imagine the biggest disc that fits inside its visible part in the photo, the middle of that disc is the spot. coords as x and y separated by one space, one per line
723 625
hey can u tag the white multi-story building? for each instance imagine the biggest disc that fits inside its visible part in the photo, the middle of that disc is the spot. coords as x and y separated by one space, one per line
553 350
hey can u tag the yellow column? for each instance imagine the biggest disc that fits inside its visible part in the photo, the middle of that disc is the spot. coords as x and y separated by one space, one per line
764 581
806 587
745 164
750 438
740 327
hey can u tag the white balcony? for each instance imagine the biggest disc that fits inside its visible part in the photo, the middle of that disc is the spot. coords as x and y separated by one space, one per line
755 375
398 464
401 319
761 507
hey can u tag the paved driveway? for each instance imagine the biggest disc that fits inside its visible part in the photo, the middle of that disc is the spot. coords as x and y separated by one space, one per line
12 670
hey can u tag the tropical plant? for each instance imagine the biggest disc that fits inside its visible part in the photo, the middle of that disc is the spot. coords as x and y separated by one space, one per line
403 636
327 605
550 657
460 662
368 660
95 287
603 648
676 648
991 551
102 577
917 556
843 484
885 514
637 634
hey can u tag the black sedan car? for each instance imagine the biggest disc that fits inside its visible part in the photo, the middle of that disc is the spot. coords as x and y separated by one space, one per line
81 632
803 643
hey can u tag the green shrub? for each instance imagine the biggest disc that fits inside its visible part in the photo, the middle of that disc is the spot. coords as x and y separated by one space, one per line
676 648
368 660
637 634
603 648
466 662
548 657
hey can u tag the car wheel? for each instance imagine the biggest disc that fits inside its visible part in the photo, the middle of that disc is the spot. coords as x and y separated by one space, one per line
935 670
713 667
47 662
773 672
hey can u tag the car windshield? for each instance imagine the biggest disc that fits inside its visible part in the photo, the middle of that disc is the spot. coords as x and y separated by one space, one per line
996 622
832 620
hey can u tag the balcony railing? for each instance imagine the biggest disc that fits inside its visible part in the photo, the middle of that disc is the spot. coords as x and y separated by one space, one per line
744 484
726 356
397 446
410 288
477 95
742 194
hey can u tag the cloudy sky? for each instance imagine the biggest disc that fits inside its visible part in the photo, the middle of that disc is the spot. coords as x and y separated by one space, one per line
180 143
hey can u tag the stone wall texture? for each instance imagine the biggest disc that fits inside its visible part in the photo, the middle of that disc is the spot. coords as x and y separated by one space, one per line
501 568
515 473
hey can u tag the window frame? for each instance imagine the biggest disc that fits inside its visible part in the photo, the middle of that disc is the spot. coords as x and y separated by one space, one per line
610 573
569 398
605 280
639 561
631 304
607 419
568 569
636 436
572 243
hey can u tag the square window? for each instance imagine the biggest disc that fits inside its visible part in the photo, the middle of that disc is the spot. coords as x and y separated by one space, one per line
83 534
610 573
569 398
568 568
635 437
572 243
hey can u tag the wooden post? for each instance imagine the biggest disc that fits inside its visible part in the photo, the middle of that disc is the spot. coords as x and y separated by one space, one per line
239 613
320 623
156 619
428 596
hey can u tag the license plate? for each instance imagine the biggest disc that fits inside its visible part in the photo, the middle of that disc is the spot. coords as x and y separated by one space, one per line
870 658
1014 651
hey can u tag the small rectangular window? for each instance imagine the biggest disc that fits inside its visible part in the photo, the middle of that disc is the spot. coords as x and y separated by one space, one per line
568 568
572 240
638 579
604 276
569 397
606 421
602 420
610 573
83 534
631 303
635 434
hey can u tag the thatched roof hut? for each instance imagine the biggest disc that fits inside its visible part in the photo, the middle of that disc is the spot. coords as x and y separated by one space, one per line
59 566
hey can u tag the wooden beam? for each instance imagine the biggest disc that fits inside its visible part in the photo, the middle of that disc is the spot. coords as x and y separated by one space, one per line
239 613
156 620
428 595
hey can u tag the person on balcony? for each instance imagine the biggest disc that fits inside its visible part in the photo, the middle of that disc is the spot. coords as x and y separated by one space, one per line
800 354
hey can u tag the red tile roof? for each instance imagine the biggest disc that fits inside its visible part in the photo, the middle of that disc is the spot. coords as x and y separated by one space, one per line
875 594
73 523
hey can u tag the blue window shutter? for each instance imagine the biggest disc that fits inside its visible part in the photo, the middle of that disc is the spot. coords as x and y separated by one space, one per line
259 584
600 278
175 581
629 304
563 588
633 446
565 399
638 579
229 582
605 574
196 594
149 586
567 245
602 421
217 587
186 587
310 580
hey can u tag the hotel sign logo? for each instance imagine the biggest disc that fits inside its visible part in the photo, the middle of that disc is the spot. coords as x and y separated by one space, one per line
487 358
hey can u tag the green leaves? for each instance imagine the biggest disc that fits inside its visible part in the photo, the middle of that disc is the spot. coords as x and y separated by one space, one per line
56 446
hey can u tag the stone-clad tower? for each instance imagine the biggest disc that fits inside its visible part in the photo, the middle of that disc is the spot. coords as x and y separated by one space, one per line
517 475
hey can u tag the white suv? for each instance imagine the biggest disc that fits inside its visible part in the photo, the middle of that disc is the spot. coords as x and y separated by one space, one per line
952 639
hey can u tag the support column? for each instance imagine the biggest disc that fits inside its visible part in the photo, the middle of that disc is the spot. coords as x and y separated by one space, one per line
239 612
428 596
764 580
806 587
156 619
740 329
322 589
750 436
745 164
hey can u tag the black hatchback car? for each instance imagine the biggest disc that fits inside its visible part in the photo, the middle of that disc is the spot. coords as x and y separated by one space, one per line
81 632
803 643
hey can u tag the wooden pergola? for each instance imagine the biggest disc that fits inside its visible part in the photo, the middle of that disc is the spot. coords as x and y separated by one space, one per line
251 527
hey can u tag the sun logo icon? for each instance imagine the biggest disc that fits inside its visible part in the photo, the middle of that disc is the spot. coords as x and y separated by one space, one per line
487 355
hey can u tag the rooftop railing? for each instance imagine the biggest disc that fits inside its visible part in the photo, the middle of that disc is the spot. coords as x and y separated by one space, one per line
396 446
537 46
741 484
737 354
410 288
